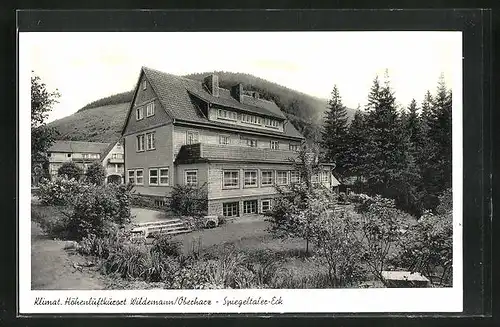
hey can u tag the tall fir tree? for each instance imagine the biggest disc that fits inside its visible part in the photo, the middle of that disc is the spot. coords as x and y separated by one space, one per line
414 127
389 168
335 129
356 143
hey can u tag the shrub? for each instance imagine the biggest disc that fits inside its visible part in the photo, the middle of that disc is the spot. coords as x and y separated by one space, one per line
428 245
70 170
130 262
53 223
60 191
382 227
166 247
96 174
97 208
189 201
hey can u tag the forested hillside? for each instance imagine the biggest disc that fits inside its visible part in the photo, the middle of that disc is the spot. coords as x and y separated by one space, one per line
101 120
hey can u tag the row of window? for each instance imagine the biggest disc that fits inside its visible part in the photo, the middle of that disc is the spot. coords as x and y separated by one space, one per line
246 118
231 178
150 141
232 209
150 111
193 137
84 155
156 176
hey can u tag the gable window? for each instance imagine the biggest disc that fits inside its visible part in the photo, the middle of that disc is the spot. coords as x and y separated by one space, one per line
131 176
150 109
294 147
163 176
250 206
140 142
153 176
265 205
150 144
223 139
251 143
275 145
192 137
282 177
226 114
230 179
231 209
139 113
294 176
139 177
191 177
266 178
144 84
250 178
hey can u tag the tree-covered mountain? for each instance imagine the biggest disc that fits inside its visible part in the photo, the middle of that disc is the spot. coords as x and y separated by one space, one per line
102 120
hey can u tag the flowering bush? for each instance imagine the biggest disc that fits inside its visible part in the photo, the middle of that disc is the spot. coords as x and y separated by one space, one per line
428 245
70 170
58 191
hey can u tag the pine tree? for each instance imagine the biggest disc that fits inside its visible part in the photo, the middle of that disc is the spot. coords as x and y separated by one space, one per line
414 127
334 133
355 149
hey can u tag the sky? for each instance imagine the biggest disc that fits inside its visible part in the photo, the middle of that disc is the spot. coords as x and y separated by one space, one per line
85 67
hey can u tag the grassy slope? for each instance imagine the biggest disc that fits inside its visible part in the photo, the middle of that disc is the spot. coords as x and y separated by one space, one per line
101 124
102 120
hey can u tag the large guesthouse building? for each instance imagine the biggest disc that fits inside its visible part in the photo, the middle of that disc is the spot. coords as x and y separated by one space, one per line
188 132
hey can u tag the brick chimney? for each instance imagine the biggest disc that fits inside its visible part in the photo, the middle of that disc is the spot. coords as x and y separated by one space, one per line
237 91
212 83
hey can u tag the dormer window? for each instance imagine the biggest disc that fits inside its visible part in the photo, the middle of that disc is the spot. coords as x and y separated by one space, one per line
139 113
150 109
250 119
226 114
271 123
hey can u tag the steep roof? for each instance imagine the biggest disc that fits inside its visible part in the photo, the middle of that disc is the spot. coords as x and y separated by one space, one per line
78 147
109 148
174 93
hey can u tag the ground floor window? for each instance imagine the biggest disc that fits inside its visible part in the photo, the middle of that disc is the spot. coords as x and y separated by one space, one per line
250 206
131 176
266 205
139 177
191 177
231 209
153 176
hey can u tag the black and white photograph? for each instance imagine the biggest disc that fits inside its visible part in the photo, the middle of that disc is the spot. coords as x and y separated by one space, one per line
241 171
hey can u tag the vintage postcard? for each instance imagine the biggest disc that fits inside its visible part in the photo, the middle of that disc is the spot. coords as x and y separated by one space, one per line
240 172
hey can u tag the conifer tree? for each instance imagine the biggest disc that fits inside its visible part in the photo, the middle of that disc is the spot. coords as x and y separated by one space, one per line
356 142
334 133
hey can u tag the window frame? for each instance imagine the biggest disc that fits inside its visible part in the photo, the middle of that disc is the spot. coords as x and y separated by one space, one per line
149 176
277 177
250 141
227 114
227 137
225 209
276 142
139 113
225 187
293 147
197 133
322 177
186 171
256 178
293 172
152 106
253 202
160 176
262 179
137 143
144 85
262 205
148 148
137 176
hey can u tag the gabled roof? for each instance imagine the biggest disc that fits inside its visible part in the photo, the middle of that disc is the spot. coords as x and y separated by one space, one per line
109 148
78 147
211 152
174 93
